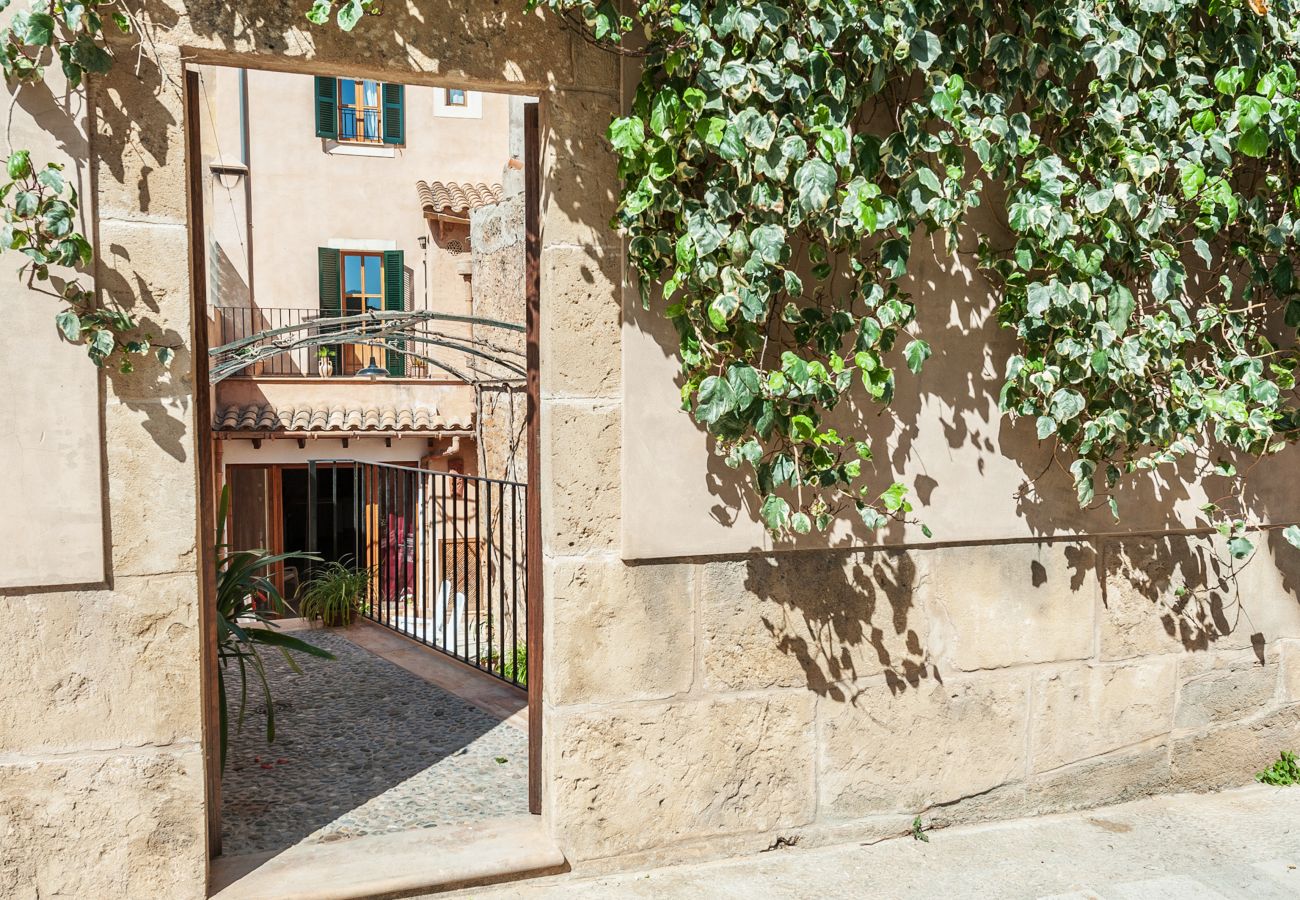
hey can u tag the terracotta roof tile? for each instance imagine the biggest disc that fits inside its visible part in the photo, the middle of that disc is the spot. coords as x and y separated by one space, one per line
456 198
260 417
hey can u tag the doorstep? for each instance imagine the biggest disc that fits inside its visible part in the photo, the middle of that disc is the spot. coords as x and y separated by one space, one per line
393 865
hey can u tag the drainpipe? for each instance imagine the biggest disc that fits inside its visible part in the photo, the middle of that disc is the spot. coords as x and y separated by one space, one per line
423 241
245 157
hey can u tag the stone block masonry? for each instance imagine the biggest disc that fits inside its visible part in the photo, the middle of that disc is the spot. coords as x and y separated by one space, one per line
958 683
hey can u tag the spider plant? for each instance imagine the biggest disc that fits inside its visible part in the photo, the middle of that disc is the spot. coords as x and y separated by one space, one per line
334 593
245 598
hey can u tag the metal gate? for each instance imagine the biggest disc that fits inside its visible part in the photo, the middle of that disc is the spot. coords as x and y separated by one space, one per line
446 555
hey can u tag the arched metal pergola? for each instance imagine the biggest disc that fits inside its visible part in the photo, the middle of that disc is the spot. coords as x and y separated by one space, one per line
416 335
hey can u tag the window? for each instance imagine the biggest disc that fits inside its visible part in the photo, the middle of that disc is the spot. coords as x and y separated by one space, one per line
363 282
355 281
360 113
457 103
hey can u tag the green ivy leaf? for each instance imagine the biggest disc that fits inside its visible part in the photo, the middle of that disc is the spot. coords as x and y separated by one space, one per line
319 13
814 183
916 353
19 164
716 399
1120 307
1240 547
627 135
775 513
1067 405
350 13
925 49
69 324
103 342
802 428
36 29
1251 111
1292 535
895 497
1253 143
768 242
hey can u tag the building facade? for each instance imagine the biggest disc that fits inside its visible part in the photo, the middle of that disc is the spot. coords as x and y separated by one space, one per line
329 197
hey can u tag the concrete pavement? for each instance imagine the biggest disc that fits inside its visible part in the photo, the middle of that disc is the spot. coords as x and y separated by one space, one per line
1242 843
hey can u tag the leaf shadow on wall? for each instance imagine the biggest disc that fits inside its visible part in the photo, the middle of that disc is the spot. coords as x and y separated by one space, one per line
843 616
982 478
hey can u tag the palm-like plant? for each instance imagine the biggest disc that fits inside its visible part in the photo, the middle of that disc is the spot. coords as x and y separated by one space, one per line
243 625
334 593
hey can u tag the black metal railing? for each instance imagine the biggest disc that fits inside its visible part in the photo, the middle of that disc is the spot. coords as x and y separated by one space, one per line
233 323
363 128
446 553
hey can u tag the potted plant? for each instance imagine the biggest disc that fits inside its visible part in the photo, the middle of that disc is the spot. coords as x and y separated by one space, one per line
333 594
325 361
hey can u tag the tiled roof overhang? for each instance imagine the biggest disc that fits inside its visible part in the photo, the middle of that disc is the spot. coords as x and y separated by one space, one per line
342 421
450 198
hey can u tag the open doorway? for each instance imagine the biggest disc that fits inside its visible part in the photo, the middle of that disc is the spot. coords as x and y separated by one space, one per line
367 253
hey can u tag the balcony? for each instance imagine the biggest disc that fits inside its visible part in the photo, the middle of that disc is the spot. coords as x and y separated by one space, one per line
337 361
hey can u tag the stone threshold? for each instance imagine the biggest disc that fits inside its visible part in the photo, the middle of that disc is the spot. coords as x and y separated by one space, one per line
393 865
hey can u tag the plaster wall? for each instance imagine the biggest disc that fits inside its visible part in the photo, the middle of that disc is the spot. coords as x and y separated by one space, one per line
453 400
50 445
309 192
696 704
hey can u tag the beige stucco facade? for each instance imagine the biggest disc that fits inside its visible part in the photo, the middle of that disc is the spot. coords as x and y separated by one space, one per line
695 702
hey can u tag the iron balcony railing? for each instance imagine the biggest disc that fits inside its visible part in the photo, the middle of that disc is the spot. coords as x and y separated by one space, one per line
446 553
339 360
362 129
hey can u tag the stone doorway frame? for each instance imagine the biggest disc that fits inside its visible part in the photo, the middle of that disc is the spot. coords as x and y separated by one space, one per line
574 256
207 467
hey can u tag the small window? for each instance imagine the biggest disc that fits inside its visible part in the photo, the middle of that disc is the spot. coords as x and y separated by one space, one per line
361 115
457 97
363 282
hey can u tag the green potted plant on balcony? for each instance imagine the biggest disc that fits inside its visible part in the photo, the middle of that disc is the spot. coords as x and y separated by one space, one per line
325 361
333 594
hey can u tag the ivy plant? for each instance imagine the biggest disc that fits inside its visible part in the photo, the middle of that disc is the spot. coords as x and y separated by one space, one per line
38 205
781 160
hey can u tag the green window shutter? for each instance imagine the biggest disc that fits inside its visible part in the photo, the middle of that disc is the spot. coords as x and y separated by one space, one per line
331 289
331 285
327 107
395 299
394 100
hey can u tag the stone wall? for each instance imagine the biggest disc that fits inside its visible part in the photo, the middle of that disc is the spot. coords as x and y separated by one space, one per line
713 703
101 759
499 264
699 705
723 702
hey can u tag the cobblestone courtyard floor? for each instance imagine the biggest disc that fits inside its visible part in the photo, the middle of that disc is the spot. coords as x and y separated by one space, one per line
362 747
